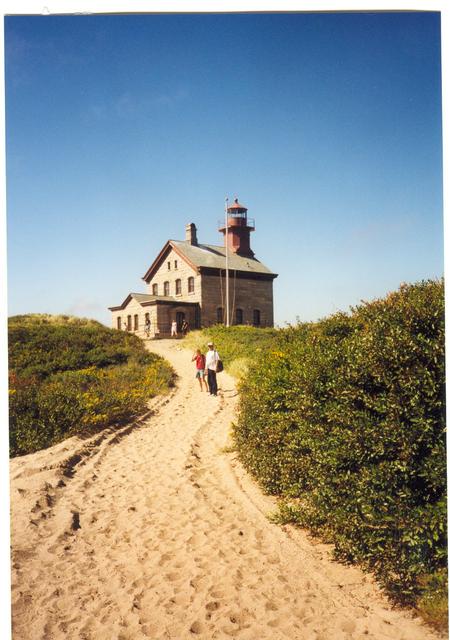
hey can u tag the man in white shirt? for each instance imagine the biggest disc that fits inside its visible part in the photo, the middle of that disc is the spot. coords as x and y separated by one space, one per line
212 357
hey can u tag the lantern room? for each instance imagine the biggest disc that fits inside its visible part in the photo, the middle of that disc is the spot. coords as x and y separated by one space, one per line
239 229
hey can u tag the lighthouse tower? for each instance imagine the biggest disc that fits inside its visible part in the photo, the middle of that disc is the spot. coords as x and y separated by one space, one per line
239 228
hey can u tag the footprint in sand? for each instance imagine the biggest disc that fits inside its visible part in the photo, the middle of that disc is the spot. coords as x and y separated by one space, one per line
275 622
196 627
231 628
173 577
164 559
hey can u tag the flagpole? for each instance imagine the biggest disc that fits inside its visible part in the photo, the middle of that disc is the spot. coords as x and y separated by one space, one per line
227 290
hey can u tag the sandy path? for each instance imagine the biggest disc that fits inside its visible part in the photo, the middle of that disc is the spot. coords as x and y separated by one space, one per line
158 533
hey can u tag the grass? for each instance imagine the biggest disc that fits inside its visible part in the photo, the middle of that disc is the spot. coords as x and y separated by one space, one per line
238 346
432 606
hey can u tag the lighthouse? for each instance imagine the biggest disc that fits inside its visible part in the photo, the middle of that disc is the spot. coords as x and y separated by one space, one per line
202 284
239 229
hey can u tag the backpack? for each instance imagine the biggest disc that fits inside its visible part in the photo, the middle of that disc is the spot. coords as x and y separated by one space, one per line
219 366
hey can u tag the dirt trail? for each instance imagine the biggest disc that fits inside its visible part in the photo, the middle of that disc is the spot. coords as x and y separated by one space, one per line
156 532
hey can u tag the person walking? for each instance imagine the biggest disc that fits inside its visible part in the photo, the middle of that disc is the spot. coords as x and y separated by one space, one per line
147 328
173 330
184 328
200 365
211 360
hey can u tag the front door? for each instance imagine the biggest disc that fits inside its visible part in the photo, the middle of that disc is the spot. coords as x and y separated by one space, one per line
180 319
197 317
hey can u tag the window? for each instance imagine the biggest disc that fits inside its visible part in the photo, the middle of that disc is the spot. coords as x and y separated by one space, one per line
219 314
175 264
191 285
166 288
155 289
168 266
239 316
128 323
119 323
136 322
256 317
178 287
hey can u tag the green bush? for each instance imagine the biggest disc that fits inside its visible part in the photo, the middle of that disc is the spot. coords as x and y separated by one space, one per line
70 376
40 345
345 419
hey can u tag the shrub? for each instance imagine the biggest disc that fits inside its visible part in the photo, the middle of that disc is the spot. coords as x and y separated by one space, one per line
344 419
39 345
71 377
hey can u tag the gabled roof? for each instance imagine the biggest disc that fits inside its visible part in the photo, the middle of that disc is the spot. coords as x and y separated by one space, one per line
208 256
145 300
139 297
160 258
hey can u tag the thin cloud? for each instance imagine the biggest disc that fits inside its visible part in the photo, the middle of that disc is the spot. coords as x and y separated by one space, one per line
16 48
128 105
23 57
170 99
380 230
96 111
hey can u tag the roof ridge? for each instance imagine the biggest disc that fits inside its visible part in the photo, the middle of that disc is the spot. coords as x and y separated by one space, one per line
203 256
199 244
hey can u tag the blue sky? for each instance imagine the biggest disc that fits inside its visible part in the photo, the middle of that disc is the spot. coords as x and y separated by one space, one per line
122 129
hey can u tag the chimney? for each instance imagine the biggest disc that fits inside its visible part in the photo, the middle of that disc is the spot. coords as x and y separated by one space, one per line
191 234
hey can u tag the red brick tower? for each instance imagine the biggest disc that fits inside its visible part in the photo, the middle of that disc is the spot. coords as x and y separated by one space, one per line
239 228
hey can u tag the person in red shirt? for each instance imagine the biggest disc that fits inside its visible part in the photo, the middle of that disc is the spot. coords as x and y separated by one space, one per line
200 366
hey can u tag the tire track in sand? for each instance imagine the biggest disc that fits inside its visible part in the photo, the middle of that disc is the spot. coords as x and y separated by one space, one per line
161 534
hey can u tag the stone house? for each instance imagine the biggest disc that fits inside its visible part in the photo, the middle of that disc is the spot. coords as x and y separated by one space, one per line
187 281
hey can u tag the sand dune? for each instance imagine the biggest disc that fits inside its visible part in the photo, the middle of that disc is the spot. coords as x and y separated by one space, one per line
155 531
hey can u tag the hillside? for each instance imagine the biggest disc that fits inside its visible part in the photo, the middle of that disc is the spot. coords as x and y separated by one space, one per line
72 376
